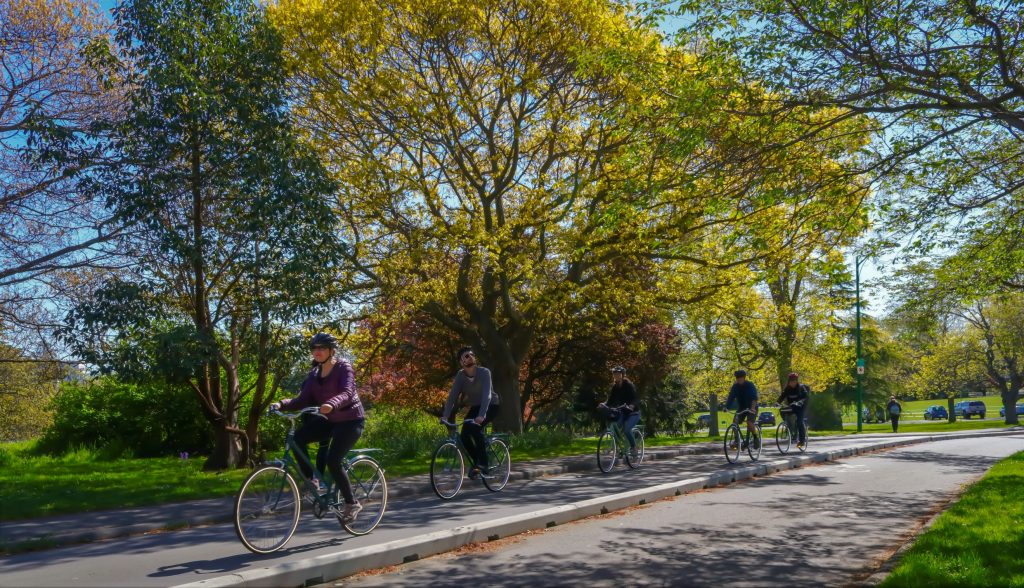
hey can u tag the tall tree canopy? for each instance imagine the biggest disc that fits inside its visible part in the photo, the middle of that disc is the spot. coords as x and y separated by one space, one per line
940 79
238 241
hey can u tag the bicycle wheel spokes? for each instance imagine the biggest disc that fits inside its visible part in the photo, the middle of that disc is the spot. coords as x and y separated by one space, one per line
370 489
634 462
754 446
607 452
499 463
267 510
782 438
447 469
732 443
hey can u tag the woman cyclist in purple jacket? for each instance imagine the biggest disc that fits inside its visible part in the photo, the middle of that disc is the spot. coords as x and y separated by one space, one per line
331 385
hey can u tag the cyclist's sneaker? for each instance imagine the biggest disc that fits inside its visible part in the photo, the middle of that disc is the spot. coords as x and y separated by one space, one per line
801 444
633 453
474 472
349 513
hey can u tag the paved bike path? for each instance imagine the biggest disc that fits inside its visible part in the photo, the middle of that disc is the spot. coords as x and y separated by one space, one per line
214 553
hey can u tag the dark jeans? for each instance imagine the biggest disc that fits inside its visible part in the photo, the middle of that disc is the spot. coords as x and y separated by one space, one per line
627 422
797 415
342 438
895 422
473 434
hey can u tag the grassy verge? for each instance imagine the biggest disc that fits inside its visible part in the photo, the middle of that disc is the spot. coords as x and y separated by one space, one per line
33 485
978 541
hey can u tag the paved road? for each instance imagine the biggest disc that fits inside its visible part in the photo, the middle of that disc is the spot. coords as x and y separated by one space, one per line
171 558
823 525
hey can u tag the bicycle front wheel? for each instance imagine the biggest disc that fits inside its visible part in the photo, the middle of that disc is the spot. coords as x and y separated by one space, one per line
370 489
732 443
782 438
754 446
500 465
447 469
267 510
634 462
607 452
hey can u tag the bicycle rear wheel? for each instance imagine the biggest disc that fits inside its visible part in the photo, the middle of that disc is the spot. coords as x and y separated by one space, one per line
370 489
607 452
732 443
783 439
500 465
447 469
754 446
632 462
267 510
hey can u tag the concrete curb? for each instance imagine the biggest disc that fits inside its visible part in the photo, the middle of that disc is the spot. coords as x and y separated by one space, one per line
328 567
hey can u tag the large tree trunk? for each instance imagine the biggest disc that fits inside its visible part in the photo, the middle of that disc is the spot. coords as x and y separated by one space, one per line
227 449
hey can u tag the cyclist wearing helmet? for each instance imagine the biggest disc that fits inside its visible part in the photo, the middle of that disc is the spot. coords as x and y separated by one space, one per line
473 384
622 405
744 394
331 385
796 396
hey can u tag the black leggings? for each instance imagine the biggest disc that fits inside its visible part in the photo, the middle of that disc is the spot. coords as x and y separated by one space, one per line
473 434
342 437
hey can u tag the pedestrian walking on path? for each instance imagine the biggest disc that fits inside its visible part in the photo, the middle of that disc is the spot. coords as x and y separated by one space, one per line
894 408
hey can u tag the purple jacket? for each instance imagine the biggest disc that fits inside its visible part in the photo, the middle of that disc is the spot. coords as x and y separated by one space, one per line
338 389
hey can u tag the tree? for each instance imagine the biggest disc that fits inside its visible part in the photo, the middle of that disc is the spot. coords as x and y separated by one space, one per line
940 79
474 145
26 389
239 241
55 107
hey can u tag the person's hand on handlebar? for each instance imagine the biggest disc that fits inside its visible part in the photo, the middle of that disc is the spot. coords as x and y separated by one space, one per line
326 408
274 406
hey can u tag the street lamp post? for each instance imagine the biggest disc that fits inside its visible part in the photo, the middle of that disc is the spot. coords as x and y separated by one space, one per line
860 359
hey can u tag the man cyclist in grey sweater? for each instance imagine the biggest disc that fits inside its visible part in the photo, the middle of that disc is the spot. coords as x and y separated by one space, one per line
473 385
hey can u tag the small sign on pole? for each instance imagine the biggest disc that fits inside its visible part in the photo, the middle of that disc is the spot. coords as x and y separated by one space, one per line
860 369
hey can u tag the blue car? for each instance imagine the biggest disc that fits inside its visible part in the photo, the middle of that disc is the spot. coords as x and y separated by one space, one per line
1020 410
935 412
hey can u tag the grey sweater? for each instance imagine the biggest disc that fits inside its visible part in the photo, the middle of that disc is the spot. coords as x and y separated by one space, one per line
477 392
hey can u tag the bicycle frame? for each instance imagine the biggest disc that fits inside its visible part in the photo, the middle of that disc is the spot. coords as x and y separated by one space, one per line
289 461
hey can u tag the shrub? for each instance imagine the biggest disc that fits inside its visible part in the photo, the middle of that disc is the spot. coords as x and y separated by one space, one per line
119 419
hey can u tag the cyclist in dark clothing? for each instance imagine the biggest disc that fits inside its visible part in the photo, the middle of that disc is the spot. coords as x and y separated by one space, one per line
331 385
744 394
796 396
623 405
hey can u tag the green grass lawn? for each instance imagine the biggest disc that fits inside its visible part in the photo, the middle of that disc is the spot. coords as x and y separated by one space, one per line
34 485
977 542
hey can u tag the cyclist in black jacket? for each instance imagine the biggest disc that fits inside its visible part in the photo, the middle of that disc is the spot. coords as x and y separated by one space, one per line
623 405
796 396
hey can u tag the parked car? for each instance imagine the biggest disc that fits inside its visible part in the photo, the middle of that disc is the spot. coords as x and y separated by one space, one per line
1020 410
969 408
766 418
934 412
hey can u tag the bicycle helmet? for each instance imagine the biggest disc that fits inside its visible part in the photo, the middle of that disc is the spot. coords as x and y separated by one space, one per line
740 373
793 376
323 340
